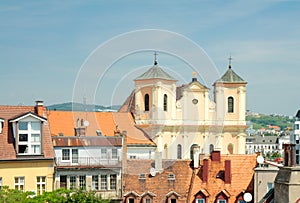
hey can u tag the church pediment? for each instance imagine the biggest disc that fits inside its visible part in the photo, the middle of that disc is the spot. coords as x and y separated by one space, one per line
196 86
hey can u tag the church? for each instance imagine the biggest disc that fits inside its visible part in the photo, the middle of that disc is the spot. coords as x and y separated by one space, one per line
182 120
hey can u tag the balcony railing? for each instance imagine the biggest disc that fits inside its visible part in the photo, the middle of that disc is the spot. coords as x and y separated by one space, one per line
88 161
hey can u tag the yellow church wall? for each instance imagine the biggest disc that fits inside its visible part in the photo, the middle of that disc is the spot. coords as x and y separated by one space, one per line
29 170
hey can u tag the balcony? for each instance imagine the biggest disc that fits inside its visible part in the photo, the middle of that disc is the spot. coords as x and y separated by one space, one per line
84 162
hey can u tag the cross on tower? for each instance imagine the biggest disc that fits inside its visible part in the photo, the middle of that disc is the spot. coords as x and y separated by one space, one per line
230 59
155 59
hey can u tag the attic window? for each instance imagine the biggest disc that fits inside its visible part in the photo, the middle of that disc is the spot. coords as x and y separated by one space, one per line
1 125
142 176
29 137
171 176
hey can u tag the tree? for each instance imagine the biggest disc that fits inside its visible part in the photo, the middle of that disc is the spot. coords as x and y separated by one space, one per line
58 196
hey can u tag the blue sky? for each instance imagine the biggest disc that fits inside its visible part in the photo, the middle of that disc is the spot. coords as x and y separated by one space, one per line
43 45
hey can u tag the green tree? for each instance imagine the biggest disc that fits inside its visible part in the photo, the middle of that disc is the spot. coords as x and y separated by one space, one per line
58 196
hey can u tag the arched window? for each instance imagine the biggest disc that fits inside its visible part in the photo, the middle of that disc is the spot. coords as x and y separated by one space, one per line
146 102
230 105
192 151
179 151
211 148
165 102
166 151
230 148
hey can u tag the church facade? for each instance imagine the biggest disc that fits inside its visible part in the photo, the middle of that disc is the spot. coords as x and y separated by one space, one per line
183 120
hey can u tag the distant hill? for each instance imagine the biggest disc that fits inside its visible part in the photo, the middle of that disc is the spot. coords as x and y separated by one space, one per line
70 106
261 120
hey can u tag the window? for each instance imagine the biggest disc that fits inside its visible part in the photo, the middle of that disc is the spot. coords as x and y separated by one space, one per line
222 201
95 182
40 184
113 182
270 186
72 182
296 127
130 200
114 153
211 148
179 151
148 200
230 105
171 176
297 141
74 155
0 183
165 102
200 200
104 153
103 182
230 148
19 183
65 154
146 102
82 182
29 137
173 201
63 181
1 124
241 201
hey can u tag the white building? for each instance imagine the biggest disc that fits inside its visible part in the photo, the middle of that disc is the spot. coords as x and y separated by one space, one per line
89 163
179 118
295 137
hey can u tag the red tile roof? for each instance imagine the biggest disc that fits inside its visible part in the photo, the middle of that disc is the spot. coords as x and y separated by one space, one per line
59 141
188 182
7 150
107 122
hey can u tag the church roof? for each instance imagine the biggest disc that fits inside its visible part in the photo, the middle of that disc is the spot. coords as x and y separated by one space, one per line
231 77
155 72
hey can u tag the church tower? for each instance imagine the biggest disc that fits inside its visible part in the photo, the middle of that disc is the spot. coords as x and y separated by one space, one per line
155 96
230 99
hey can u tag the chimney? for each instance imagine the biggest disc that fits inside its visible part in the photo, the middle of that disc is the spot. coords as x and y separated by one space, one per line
289 155
158 161
216 156
39 108
124 151
227 177
205 171
196 154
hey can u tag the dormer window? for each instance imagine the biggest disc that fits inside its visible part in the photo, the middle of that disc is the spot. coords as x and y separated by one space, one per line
27 130
171 176
1 125
29 137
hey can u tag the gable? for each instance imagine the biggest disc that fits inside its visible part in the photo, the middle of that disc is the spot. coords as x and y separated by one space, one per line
28 117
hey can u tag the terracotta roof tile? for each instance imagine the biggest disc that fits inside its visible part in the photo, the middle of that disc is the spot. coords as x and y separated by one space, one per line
59 141
107 122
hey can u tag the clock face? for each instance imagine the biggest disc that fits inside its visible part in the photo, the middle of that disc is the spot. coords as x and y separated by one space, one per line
195 101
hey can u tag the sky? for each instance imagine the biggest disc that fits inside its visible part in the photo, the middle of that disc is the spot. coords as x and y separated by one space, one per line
46 46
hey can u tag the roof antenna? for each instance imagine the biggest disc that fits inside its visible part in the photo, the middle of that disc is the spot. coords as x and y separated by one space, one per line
155 59
230 59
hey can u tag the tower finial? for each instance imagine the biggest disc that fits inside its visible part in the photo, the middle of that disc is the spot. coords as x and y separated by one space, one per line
155 59
230 60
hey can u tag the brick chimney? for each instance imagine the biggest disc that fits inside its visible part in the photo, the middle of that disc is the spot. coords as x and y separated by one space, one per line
289 155
227 178
205 171
124 151
158 161
39 108
216 156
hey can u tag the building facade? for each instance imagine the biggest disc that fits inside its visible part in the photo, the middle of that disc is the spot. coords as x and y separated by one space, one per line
26 152
89 163
178 118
